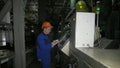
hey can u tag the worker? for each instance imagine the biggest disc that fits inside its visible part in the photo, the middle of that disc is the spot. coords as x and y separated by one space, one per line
44 45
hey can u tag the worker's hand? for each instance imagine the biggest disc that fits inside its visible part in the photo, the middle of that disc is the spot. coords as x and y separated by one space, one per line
54 43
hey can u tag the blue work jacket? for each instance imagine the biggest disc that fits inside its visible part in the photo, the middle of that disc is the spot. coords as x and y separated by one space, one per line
43 47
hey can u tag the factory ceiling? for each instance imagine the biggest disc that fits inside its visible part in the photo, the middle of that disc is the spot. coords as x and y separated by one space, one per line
53 9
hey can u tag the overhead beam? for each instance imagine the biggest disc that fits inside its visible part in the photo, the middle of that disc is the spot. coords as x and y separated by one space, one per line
5 9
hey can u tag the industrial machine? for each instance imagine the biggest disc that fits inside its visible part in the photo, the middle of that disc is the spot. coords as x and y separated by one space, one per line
7 50
6 34
88 32
6 42
65 60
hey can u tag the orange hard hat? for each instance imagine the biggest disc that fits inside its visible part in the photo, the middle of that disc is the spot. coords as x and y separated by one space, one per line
46 24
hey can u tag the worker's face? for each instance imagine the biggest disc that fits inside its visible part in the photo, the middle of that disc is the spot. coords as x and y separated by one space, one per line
47 30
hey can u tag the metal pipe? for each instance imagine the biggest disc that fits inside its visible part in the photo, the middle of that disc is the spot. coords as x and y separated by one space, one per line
72 4
97 20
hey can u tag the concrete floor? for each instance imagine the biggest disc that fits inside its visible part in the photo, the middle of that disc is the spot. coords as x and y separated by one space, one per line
36 64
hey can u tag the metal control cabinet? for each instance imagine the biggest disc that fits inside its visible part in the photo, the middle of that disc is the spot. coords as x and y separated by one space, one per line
84 29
